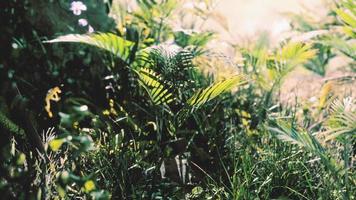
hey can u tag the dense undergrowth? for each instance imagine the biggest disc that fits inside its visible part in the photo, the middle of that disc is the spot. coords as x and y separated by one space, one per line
122 106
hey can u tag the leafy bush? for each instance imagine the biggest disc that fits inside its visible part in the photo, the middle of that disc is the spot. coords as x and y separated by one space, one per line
94 109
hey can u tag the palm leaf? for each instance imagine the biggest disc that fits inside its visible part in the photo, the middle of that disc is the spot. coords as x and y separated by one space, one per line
152 82
107 41
342 119
288 133
290 56
295 53
164 58
184 59
350 5
143 60
344 46
209 93
347 18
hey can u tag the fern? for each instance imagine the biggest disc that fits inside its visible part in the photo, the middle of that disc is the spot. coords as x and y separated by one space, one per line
288 133
184 59
209 93
342 119
143 60
168 60
107 41
152 82
290 56
344 46
171 62
204 95
294 53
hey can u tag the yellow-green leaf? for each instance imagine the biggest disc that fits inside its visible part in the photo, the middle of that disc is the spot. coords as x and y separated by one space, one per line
21 159
56 144
347 18
209 93
107 41
152 82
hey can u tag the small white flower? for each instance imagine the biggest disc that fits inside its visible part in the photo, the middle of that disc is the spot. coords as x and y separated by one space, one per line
83 22
77 7
15 46
90 29
83 108
313 99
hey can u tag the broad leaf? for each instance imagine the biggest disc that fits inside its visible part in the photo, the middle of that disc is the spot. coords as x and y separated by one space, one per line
107 41
207 94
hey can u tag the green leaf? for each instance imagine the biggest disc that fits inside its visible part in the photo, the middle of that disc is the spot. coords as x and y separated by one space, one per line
345 47
152 82
107 41
287 132
295 53
184 38
342 119
347 18
209 93
290 56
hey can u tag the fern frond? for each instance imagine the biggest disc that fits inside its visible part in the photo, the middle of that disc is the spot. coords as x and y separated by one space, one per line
107 41
209 93
184 59
288 133
143 60
286 59
295 53
342 119
152 82
166 59
344 46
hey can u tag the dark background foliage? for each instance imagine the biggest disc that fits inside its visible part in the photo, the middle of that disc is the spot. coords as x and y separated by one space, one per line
29 69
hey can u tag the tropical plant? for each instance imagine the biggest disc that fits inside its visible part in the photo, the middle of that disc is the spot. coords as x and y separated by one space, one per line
147 108
339 126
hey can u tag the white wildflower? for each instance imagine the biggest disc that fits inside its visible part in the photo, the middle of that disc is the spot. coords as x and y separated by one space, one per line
83 22
90 29
77 7
313 99
83 108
